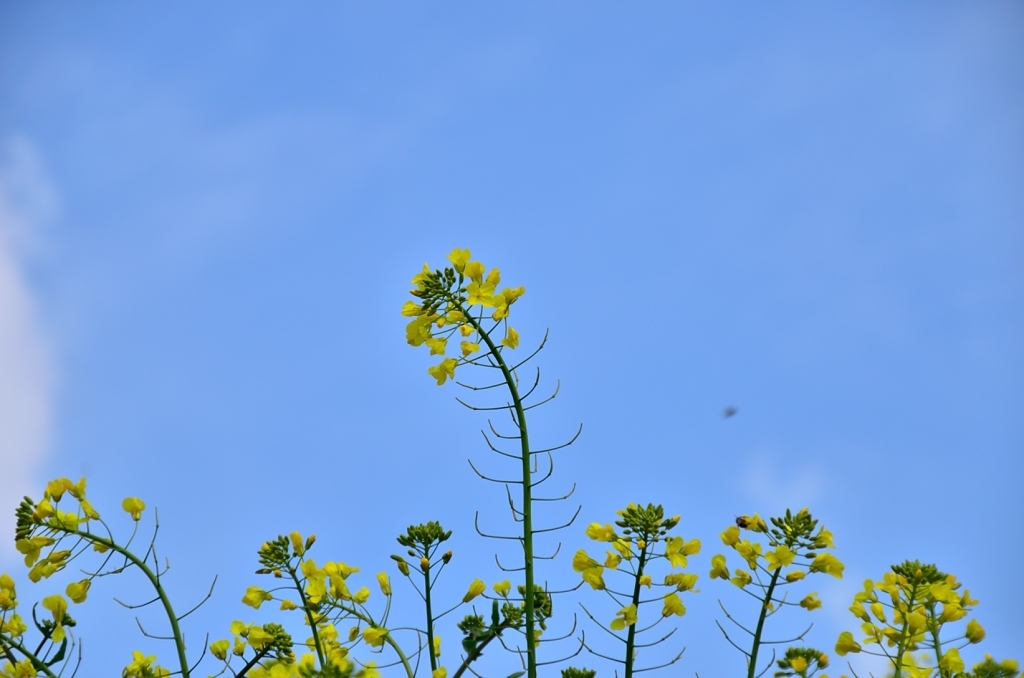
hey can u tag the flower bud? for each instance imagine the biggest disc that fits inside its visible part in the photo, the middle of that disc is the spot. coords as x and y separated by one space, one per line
447 557
424 564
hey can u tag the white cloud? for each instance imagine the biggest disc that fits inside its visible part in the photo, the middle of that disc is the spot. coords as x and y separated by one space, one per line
27 201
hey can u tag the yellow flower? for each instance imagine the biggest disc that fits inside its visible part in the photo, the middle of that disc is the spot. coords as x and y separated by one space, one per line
437 646
846 644
826 562
368 671
88 510
673 606
255 596
14 626
475 589
474 271
613 560
469 347
824 539
952 612
298 545
362 595
219 649
595 577
480 294
411 309
810 602
374 637
780 557
730 535
858 611
674 551
798 664
443 371
437 346
511 339
55 488
502 588
795 575
57 606
624 617
682 582
77 590
140 664
440 672
384 582
581 561
459 259
974 633
418 330
599 532
134 506
258 637
750 552
623 547
741 578
32 547
288 605
718 568
951 661
339 589
645 580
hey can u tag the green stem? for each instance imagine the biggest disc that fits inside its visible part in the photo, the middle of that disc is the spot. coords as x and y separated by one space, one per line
179 642
479 650
387 637
631 633
401 655
37 663
935 640
430 620
309 616
901 646
752 668
524 444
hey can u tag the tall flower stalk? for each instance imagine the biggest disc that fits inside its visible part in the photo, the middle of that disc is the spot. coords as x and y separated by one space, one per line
463 301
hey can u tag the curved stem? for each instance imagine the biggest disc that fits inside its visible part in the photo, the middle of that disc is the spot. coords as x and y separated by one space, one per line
179 642
524 444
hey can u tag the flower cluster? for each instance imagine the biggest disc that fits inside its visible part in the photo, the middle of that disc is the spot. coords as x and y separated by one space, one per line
801 661
791 541
907 611
641 539
463 299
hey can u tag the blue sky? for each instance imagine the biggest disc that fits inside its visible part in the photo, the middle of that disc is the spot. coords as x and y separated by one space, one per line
811 212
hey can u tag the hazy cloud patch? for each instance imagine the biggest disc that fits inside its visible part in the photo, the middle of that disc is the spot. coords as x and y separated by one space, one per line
27 201
777 486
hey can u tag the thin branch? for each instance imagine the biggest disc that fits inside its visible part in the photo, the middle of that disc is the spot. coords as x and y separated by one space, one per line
493 480
557 498
552 449
476 524
561 527
209 594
